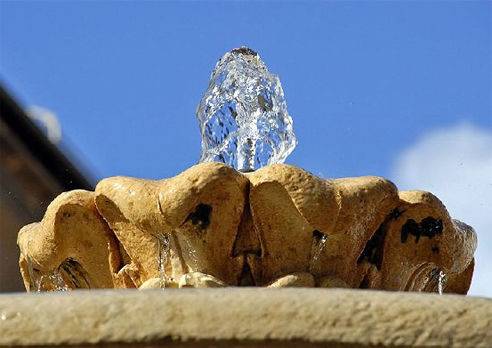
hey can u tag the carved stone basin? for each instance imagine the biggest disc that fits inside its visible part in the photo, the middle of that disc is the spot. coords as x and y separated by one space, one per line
278 226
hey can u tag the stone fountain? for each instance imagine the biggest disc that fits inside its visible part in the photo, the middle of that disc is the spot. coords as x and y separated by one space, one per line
242 218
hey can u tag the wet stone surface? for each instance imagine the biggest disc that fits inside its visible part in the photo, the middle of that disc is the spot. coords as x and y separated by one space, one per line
428 227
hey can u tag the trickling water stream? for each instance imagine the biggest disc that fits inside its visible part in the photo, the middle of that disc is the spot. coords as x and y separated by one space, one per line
30 269
318 249
163 247
53 280
441 282
45 282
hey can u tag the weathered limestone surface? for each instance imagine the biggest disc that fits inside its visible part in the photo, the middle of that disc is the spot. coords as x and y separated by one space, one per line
279 226
72 229
245 317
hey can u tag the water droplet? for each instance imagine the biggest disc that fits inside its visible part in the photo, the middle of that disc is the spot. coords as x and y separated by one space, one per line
243 115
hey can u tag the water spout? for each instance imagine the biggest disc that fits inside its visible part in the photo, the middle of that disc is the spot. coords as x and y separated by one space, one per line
243 115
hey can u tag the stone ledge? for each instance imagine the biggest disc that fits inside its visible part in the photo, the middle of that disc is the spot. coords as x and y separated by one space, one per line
244 317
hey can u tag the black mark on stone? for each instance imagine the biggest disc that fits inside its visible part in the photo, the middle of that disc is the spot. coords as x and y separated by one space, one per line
318 235
247 278
395 214
373 252
76 273
201 216
410 227
364 284
428 227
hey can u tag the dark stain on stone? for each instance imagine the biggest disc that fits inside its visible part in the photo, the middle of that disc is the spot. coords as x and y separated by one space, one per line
247 239
373 252
76 273
364 284
318 235
396 213
201 216
428 227
246 278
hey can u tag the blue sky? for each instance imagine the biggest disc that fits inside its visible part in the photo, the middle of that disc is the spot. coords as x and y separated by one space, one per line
366 83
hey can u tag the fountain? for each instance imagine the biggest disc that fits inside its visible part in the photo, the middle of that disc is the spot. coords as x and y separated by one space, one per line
242 218
264 224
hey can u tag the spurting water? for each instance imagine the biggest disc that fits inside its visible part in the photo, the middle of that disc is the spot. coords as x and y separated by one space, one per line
243 115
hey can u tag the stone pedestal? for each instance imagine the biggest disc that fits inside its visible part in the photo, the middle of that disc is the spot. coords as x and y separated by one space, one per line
244 317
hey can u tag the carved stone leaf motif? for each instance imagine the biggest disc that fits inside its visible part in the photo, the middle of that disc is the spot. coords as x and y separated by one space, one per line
279 226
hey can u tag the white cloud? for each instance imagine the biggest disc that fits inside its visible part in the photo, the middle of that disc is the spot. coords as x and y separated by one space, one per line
47 121
455 164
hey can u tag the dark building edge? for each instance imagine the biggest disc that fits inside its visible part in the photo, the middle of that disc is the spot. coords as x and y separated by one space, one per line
53 160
